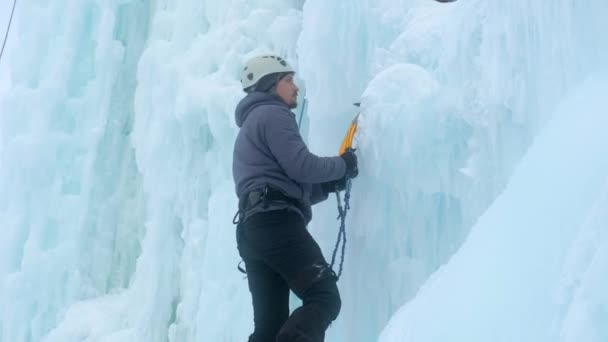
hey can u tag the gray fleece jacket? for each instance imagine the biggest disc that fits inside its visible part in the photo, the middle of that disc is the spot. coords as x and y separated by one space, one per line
270 151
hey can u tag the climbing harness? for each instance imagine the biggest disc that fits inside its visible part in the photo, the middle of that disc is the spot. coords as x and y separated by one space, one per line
10 20
347 143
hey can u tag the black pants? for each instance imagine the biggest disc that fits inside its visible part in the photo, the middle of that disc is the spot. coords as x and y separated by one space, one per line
280 255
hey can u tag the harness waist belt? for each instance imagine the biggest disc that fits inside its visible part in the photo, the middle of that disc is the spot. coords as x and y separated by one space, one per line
264 196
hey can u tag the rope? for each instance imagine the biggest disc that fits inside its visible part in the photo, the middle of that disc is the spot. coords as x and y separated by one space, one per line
342 211
301 113
10 20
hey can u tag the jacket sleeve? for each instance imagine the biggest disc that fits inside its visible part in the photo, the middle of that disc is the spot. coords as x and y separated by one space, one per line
280 132
317 194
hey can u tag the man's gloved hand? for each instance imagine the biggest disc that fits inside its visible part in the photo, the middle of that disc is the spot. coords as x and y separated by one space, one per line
352 171
350 158
333 186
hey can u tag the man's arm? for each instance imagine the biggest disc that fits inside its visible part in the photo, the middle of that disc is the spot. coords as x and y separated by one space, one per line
282 137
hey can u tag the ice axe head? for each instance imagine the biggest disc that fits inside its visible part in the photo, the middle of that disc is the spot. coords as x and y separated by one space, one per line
347 142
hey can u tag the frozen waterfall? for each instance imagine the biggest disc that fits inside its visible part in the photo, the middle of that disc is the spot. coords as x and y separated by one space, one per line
479 213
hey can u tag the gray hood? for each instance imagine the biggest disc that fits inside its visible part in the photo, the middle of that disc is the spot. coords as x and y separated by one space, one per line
250 102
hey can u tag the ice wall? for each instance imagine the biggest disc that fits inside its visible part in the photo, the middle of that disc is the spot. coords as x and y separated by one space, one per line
454 94
530 269
116 138
116 133
70 203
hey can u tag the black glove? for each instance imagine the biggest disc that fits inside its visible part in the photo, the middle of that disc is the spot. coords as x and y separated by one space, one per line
350 158
333 186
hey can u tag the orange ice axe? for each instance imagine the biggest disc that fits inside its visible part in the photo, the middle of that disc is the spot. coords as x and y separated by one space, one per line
347 142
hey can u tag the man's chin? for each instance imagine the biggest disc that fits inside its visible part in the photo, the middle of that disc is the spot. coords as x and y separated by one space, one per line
293 105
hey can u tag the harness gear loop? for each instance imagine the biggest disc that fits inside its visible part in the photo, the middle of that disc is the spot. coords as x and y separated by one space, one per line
240 268
243 203
238 214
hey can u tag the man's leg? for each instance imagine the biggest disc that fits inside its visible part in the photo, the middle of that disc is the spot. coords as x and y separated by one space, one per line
280 241
270 295
269 291
320 306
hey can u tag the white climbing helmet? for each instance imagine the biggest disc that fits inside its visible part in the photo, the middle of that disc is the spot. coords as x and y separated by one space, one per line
260 66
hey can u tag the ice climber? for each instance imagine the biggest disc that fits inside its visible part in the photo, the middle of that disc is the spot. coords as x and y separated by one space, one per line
277 179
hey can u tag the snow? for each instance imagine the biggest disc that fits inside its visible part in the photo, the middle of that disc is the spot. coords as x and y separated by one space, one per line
478 213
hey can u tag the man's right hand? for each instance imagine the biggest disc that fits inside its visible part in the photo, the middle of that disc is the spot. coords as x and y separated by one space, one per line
350 158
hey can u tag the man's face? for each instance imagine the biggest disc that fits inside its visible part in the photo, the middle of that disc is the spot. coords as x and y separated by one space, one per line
288 91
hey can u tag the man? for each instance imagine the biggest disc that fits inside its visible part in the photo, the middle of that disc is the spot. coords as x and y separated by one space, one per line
277 180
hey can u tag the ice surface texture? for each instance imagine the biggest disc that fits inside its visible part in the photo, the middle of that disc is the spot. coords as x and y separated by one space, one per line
480 145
